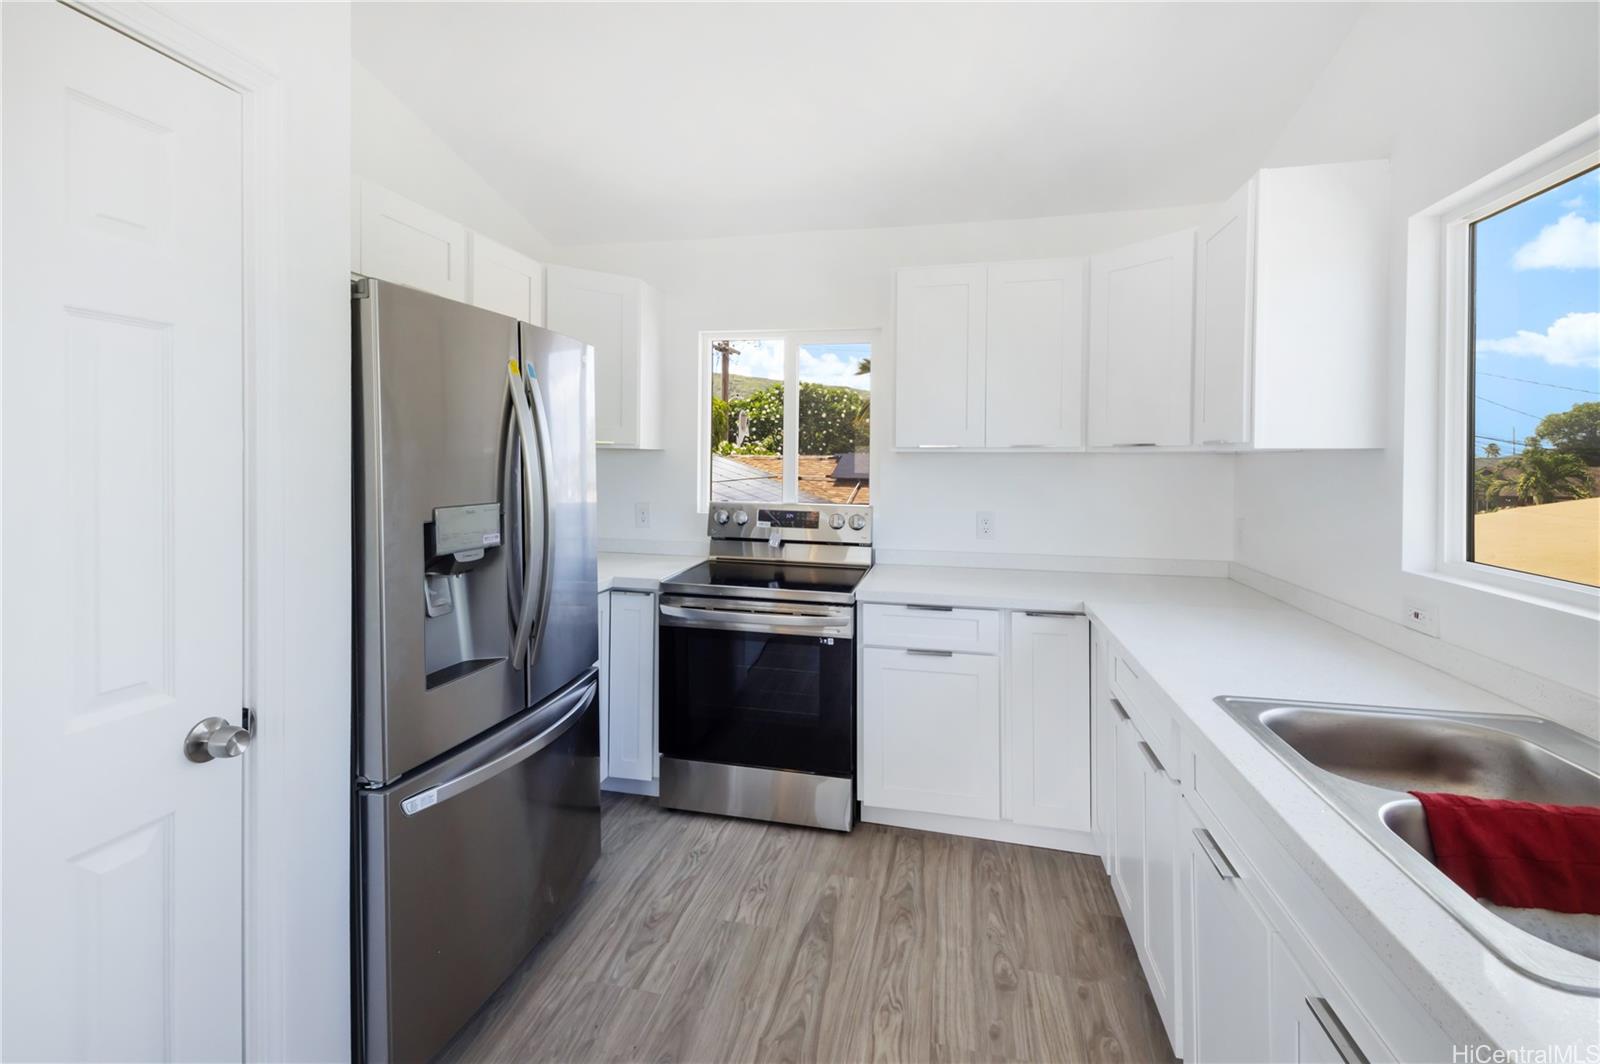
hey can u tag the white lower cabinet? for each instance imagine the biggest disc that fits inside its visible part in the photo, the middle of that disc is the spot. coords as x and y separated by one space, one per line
1303 1025
1047 766
1143 866
930 731
1228 947
628 685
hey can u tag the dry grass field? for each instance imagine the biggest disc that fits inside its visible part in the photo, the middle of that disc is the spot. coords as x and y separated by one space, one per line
1559 539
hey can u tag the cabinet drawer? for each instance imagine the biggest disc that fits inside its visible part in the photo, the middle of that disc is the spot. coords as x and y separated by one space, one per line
1143 701
931 628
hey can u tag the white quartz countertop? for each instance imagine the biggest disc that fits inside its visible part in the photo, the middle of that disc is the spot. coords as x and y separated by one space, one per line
640 572
1197 638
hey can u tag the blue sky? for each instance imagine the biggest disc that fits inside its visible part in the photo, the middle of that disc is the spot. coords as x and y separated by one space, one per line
819 363
1537 309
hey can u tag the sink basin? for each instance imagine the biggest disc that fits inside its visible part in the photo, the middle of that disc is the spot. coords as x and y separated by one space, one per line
1363 760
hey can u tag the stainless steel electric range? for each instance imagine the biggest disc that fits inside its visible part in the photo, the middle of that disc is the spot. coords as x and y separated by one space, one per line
757 658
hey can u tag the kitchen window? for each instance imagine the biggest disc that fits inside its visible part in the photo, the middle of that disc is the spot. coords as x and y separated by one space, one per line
787 417
1533 384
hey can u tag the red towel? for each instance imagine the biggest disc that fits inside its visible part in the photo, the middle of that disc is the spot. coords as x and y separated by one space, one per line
1523 854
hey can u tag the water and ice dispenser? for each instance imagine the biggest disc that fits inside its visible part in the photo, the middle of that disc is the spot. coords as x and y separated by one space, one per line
464 569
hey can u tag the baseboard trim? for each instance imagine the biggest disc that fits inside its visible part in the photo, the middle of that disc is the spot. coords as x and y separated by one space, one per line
1548 698
974 828
1054 563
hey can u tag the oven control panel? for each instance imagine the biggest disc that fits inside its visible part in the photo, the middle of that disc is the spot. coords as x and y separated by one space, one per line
791 522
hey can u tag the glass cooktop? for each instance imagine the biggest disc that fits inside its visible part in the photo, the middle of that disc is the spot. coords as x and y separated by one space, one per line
753 579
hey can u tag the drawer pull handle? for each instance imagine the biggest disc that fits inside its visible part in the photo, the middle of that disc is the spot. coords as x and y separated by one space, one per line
932 609
1052 613
1335 1029
1214 854
1150 756
1122 714
932 653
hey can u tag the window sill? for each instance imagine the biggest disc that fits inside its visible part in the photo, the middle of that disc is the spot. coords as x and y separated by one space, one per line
1572 599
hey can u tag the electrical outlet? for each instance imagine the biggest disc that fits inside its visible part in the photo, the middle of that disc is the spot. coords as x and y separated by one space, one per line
985 524
1420 615
641 515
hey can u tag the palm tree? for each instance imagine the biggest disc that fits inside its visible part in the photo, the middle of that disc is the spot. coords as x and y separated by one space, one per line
1547 476
726 349
864 367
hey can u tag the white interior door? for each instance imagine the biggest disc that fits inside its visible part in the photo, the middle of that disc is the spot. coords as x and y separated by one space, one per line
122 565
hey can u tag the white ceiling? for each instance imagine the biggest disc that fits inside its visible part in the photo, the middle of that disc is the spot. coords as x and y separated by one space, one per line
611 122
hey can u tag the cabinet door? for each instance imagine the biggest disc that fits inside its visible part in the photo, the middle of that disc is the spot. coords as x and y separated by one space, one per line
604 311
406 243
504 281
1223 327
931 732
1141 343
1299 1034
1127 855
1161 890
1047 722
1034 384
1104 774
939 357
630 706
1227 957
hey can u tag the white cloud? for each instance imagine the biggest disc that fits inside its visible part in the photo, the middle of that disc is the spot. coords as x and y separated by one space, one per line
1573 204
829 367
1572 243
1571 340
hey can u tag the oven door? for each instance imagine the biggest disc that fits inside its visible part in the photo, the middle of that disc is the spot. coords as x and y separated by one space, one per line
763 684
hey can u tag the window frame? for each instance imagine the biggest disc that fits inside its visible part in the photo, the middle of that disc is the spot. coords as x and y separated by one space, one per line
790 341
1558 161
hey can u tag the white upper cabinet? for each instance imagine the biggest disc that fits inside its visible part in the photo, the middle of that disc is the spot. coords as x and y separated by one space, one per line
408 244
1141 343
1034 384
940 338
1290 344
1224 260
504 281
617 317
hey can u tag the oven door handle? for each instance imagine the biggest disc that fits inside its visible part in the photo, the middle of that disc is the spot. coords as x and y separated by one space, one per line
786 620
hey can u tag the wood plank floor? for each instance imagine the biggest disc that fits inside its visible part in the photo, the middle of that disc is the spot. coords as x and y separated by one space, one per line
702 938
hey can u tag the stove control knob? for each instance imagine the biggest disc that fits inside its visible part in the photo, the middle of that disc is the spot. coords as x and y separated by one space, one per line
740 517
721 517
858 521
836 521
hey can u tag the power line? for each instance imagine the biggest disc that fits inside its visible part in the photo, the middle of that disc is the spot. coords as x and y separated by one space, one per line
1542 384
1502 406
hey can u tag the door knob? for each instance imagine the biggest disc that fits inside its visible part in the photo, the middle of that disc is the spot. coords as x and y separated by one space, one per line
213 738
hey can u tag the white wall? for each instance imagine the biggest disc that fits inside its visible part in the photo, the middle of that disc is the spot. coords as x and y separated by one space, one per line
1450 93
306 721
1078 505
389 144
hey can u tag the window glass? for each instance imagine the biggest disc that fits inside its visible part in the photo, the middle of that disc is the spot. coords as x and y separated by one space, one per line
835 421
1535 384
747 420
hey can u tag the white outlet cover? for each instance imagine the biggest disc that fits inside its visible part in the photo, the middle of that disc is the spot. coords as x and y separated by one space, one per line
1421 616
985 524
641 515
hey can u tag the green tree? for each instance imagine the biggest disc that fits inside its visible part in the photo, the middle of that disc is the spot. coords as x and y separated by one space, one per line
1576 431
719 421
1547 476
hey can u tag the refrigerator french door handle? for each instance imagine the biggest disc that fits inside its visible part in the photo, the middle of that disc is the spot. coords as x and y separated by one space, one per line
525 435
443 792
541 421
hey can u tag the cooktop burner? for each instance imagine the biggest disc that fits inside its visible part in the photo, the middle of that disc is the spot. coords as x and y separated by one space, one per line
760 579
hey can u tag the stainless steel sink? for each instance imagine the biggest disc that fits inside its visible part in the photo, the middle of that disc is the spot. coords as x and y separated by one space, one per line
1363 760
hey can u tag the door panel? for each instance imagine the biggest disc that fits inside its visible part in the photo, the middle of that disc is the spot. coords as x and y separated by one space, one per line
404 242
1228 953
1141 343
123 563
630 678
604 312
1223 326
1048 728
939 357
931 732
1034 383
505 281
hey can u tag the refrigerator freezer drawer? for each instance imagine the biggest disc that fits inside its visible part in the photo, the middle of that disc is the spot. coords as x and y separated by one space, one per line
466 865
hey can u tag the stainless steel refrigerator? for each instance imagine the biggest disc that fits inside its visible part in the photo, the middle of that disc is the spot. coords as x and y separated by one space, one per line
477 744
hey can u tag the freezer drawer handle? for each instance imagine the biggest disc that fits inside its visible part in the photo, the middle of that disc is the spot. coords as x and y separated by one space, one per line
483 773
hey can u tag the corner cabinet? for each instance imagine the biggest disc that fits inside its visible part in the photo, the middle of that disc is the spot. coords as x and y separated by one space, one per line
1141 343
616 316
1047 722
628 686
990 356
1290 316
